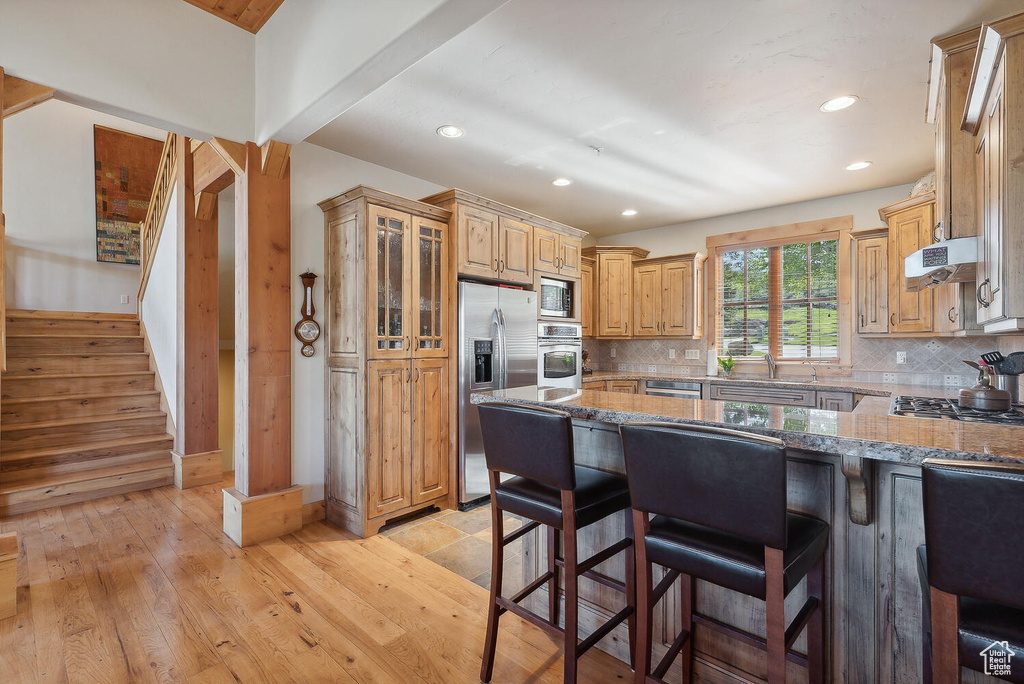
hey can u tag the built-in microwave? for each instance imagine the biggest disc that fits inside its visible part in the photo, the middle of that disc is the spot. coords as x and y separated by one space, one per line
555 298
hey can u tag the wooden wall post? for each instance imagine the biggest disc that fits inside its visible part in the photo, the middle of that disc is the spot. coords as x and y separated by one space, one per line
196 455
263 504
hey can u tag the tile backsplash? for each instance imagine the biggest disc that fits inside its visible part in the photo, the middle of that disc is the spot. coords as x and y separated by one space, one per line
930 361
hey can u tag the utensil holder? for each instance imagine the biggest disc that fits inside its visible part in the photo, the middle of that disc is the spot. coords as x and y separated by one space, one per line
1010 383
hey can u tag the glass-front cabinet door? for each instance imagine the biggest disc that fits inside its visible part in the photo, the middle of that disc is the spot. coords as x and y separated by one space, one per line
389 295
432 308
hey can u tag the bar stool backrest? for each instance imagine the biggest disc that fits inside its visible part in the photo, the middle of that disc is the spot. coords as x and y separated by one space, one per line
974 530
730 481
531 442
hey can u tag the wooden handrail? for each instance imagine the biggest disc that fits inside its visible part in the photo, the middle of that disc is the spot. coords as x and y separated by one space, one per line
159 203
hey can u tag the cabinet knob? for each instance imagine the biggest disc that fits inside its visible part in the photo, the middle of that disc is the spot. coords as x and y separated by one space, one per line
952 314
495 265
501 267
892 320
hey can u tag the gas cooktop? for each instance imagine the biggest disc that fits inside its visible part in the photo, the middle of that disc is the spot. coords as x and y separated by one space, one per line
950 409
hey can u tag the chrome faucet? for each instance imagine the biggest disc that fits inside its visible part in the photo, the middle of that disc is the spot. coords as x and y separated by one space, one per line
770 360
814 370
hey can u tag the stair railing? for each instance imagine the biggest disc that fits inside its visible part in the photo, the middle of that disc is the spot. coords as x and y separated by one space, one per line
159 204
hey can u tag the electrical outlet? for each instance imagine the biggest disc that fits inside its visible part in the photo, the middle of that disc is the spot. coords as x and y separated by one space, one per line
685 370
889 378
611 352
952 381
124 299
671 353
901 358
652 368
693 354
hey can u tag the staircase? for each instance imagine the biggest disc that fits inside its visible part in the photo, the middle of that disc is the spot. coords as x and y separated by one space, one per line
80 414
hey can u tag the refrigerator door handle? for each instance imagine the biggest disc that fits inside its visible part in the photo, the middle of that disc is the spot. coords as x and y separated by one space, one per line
503 358
498 343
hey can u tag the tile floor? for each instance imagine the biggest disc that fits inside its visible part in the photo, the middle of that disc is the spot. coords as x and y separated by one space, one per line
461 542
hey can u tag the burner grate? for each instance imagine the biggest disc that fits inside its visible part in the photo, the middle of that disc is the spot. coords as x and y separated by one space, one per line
950 409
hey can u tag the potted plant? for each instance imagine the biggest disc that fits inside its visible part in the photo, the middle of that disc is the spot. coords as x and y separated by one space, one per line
726 363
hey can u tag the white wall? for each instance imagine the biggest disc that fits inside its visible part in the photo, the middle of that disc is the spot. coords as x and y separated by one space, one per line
162 62
317 58
160 308
50 203
318 174
692 236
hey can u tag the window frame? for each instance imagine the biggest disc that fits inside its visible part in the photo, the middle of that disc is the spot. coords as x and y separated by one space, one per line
837 228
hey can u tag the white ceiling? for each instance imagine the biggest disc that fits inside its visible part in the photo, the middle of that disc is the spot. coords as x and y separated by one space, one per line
702 107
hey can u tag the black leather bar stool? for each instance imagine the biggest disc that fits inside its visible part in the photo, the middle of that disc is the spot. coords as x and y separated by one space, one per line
972 569
718 501
536 446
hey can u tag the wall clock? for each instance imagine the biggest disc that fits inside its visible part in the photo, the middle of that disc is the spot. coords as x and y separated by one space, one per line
307 331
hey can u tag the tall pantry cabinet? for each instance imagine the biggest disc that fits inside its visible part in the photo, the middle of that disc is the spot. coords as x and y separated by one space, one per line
389 342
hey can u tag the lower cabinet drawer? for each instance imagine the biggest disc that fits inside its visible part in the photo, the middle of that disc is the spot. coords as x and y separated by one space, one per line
762 395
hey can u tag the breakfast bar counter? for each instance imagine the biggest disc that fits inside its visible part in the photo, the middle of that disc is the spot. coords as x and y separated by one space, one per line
858 471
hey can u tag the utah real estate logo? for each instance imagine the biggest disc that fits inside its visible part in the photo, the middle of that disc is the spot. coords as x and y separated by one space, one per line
997 659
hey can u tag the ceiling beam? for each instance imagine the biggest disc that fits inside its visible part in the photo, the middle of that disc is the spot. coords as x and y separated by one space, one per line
232 152
274 156
20 94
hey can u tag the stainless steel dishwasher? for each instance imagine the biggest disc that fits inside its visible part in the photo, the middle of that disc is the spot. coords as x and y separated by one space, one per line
673 388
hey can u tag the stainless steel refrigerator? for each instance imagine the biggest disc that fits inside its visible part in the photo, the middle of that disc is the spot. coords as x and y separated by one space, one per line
497 350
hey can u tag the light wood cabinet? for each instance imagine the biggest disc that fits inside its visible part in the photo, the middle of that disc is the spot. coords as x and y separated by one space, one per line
555 253
994 116
956 213
515 258
622 386
389 437
501 243
594 385
613 289
430 424
388 331
872 269
586 296
910 229
668 296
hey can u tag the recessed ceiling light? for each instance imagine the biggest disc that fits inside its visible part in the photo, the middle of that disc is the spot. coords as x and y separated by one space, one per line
561 182
837 103
857 166
629 212
450 131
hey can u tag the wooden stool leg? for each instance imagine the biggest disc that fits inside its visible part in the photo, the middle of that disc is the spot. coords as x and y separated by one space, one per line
630 582
569 543
645 600
555 581
945 638
775 613
687 594
497 563
816 627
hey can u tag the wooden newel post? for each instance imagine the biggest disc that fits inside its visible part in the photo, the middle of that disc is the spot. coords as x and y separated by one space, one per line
263 504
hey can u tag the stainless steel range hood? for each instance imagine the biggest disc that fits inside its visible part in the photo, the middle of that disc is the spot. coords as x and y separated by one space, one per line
949 261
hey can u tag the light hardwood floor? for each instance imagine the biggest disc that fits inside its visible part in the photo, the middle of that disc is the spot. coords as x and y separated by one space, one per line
144 586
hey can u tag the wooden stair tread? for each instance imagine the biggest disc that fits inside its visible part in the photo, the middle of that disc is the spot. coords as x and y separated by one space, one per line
41 315
55 480
73 354
145 443
58 334
78 397
65 422
65 376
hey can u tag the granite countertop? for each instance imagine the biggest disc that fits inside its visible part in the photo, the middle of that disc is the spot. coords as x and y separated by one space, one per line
825 383
868 432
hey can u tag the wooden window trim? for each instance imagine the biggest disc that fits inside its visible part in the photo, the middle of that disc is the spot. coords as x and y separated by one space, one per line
837 228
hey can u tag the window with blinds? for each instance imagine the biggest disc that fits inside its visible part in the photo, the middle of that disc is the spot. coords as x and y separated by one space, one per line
781 299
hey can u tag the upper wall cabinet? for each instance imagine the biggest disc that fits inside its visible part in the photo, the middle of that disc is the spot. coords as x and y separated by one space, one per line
501 243
556 254
587 292
956 212
668 296
613 289
884 307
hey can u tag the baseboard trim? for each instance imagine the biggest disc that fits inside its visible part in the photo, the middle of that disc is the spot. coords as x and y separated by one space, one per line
8 575
313 512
